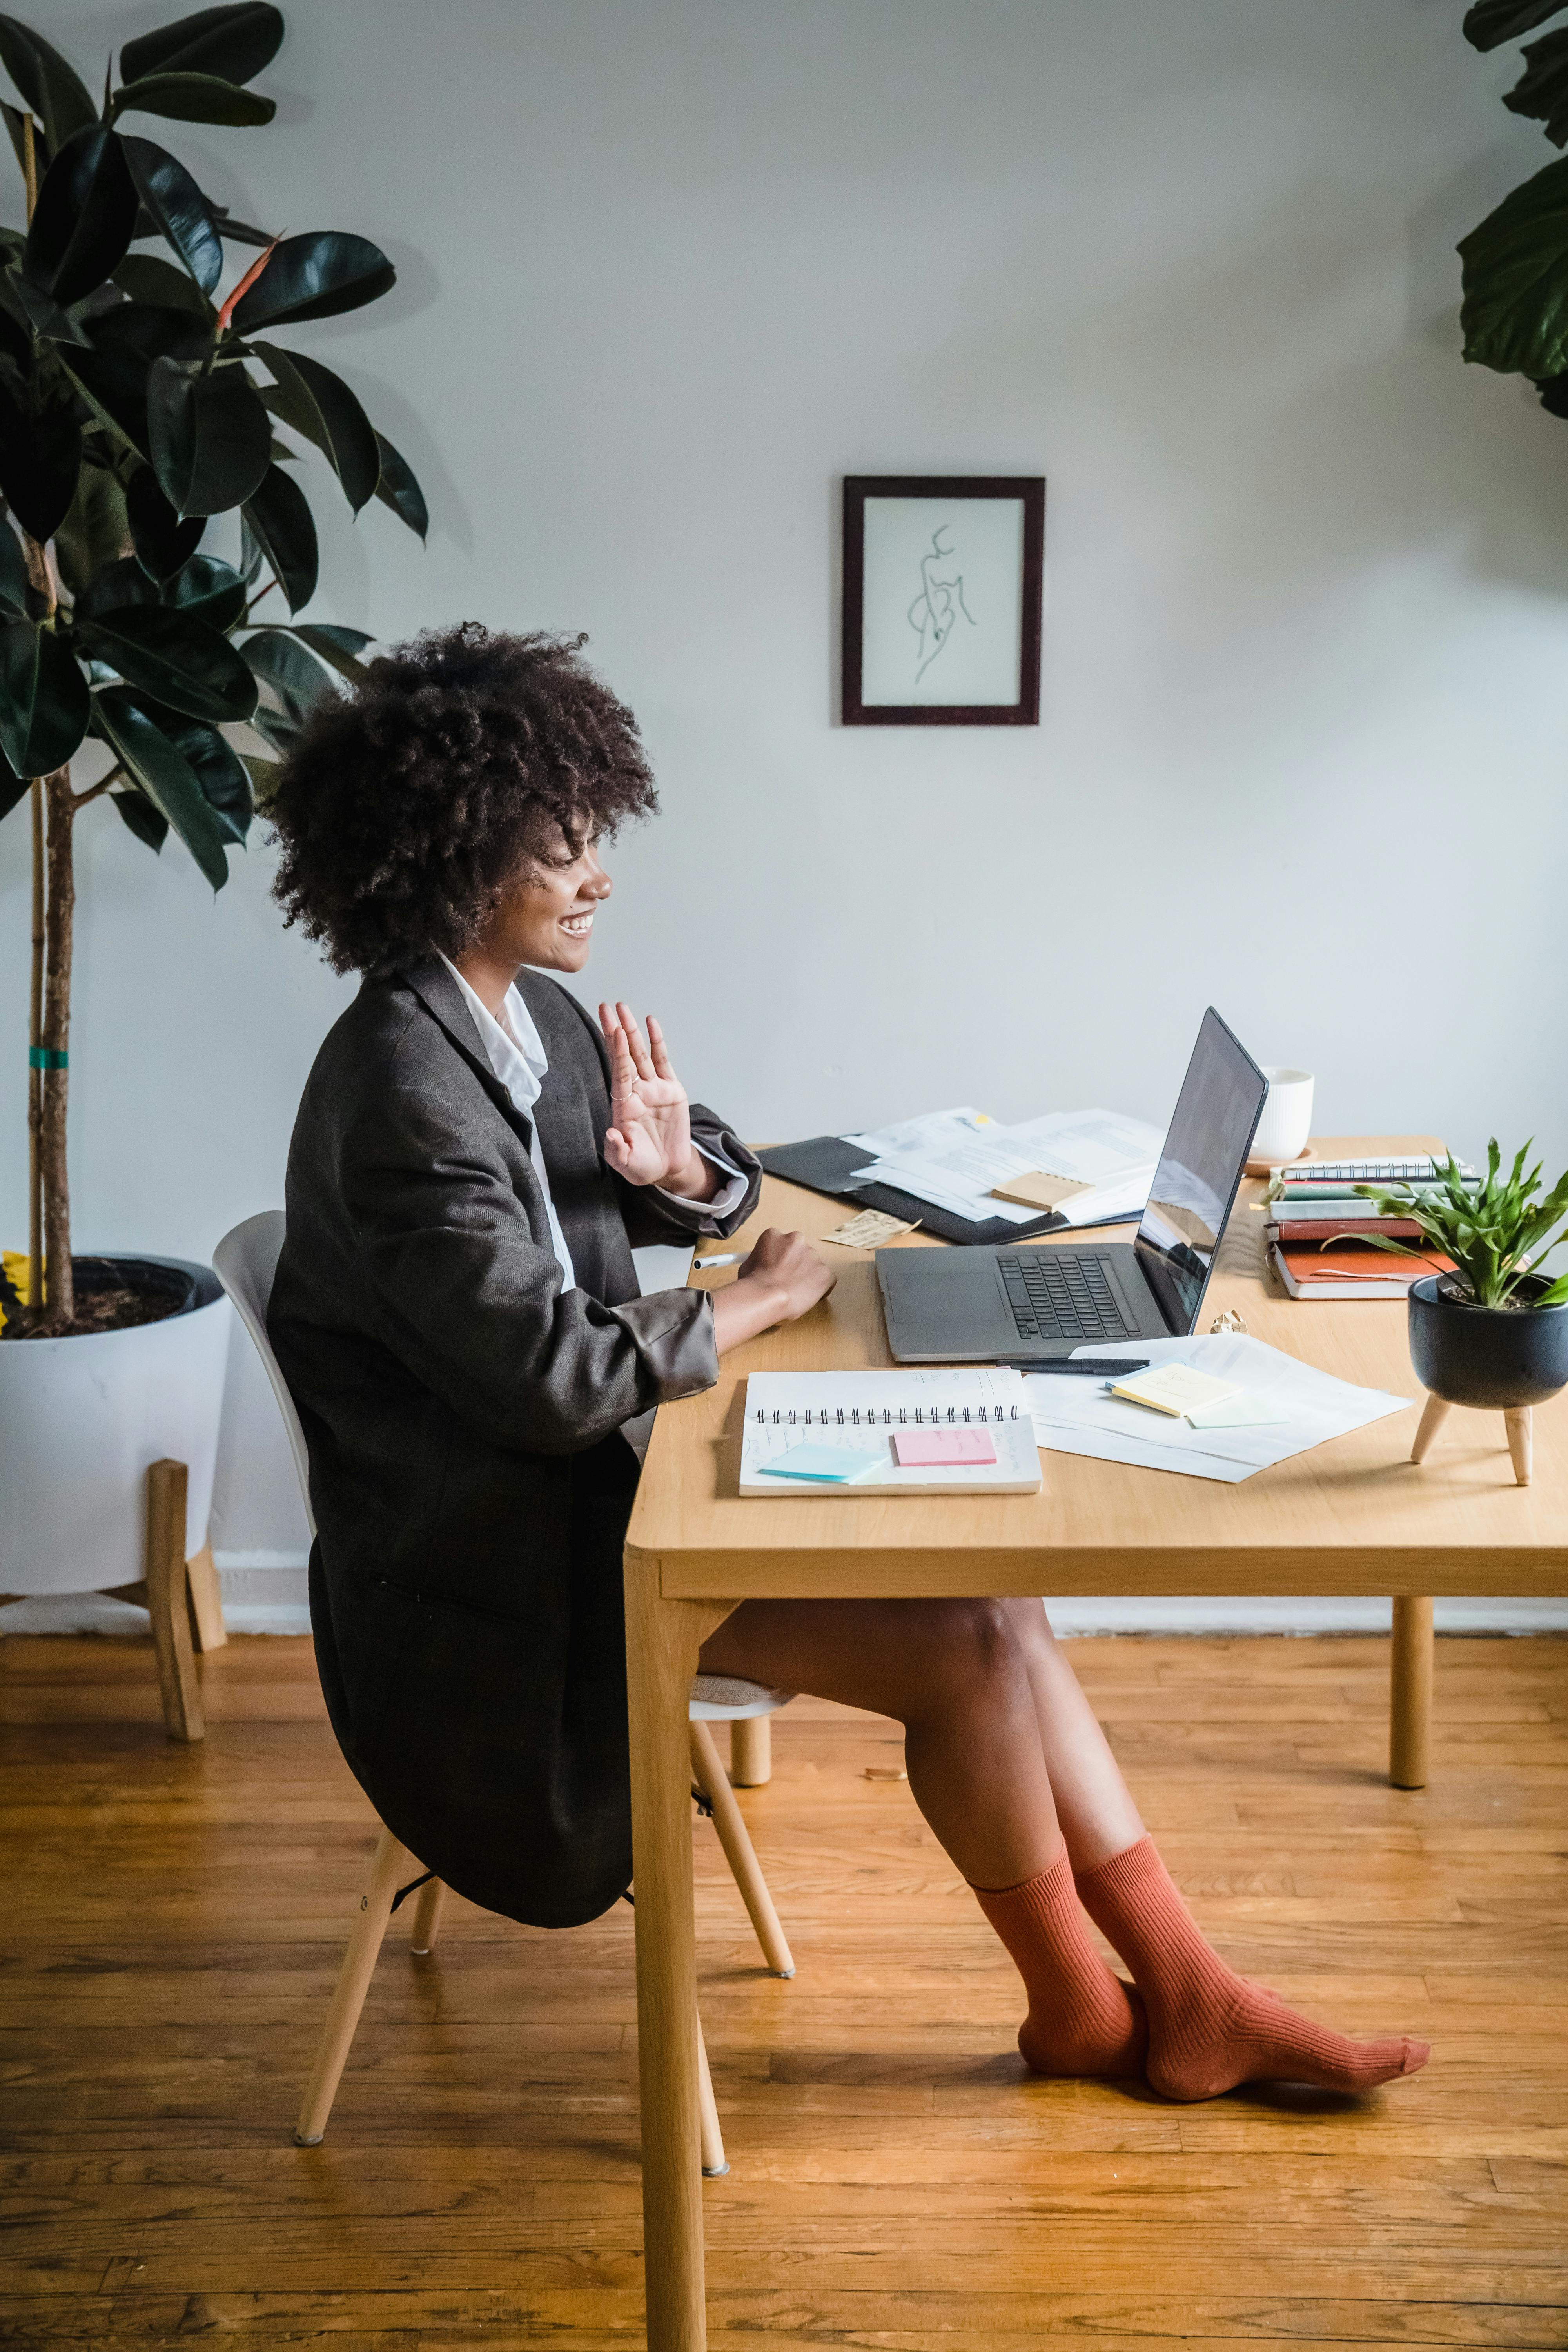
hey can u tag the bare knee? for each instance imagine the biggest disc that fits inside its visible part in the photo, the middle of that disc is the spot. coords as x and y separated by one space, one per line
980 1652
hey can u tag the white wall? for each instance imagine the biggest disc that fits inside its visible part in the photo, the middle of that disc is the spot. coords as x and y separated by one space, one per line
665 273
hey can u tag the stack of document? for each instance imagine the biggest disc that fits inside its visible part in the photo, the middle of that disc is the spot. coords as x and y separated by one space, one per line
954 1158
1276 1407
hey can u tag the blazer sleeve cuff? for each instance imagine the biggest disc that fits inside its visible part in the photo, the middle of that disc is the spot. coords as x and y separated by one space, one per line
672 1331
729 1210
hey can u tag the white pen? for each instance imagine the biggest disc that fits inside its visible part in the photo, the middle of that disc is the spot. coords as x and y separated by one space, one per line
731 1257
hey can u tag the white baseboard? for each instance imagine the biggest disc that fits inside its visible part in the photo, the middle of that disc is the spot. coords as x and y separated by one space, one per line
264 1592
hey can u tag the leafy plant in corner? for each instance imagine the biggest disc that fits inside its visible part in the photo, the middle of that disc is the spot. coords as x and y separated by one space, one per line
1515 311
1496 1232
137 406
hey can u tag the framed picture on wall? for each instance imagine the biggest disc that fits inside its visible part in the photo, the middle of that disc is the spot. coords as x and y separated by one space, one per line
942 599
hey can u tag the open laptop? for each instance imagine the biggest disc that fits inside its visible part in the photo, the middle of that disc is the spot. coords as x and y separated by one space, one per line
1024 1305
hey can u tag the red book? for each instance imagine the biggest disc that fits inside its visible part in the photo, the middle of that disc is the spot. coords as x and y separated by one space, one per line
1303 1231
1354 1273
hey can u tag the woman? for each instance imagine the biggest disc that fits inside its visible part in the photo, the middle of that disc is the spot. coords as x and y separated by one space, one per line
456 1314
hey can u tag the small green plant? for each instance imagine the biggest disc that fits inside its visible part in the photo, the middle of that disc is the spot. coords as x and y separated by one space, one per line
1496 1232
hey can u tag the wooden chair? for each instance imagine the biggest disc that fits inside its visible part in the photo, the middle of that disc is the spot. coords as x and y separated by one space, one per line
245 1262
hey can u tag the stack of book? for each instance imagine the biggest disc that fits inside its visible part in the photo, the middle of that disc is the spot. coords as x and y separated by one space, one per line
1320 1229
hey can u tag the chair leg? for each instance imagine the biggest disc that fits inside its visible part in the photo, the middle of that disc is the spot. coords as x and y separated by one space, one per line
752 1751
739 1852
207 1601
167 1589
426 1925
353 1983
715 2163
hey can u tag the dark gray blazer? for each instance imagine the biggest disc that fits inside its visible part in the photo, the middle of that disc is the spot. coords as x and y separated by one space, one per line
461 1409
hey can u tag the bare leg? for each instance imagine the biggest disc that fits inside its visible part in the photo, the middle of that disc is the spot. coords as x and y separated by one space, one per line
959 1676
953 1672
931 1664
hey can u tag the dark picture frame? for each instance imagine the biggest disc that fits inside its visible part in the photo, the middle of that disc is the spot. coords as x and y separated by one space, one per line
938 602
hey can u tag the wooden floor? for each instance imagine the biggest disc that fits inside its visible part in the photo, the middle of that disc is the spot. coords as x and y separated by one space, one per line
174 1917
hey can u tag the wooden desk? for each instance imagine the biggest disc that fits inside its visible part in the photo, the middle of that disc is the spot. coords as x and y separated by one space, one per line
1352 1517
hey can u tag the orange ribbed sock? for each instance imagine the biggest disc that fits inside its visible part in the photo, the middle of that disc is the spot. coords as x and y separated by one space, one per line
1082 2020
1208 2028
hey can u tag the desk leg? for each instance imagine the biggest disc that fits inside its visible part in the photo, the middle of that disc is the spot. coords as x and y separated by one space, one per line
662 1641
1410 1693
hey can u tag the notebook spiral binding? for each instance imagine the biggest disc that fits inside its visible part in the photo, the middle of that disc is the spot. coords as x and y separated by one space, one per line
855 1418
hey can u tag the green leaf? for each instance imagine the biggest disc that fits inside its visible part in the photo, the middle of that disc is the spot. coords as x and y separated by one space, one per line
236 42
44 701
147 824
40 458
1557 1295
278 518
209 437
315 276
217 766
399 490
320 404
162 541
1490 23
13 576
151 280
178 208
1515 311
295 675
1541 90
39 312
276 727
95 532
264 775
213 591
113 371
86 212
336 644
116 586
193 98
46 82
14 788
237 231
165 775
174 657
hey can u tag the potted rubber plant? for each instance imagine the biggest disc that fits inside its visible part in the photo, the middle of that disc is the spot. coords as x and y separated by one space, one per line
156 548
1494 1332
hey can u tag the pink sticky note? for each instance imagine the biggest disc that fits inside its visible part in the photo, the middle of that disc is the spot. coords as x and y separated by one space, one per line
929 1449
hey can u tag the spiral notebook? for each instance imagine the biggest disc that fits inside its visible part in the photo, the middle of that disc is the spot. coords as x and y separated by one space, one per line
800 1426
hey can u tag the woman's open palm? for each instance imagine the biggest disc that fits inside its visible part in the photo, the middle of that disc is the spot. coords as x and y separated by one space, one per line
649 1136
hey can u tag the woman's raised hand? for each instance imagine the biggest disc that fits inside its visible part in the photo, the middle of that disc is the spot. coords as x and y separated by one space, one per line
649 1136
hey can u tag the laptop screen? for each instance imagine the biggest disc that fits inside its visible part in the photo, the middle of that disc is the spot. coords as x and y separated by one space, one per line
1211 1129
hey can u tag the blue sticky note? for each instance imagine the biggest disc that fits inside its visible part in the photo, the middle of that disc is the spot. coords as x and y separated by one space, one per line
831 1464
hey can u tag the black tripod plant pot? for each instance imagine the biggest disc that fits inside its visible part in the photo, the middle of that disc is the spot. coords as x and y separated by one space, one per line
1504 1358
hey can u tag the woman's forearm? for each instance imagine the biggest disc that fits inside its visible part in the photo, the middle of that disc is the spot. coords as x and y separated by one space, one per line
742 1310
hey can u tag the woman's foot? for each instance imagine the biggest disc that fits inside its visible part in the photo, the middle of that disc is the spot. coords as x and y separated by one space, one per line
1210 2029
1082 2020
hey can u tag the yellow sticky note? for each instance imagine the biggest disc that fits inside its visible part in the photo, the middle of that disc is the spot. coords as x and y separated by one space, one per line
1174 1389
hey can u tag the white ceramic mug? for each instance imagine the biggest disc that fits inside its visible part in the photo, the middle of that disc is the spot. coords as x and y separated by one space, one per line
1287 1119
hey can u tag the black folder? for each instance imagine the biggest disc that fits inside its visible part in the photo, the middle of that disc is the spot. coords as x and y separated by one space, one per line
825 1163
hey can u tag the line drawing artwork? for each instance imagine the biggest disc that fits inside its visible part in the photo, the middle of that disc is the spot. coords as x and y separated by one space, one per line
934 613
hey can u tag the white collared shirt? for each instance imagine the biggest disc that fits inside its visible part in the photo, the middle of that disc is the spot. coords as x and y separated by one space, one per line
515 1052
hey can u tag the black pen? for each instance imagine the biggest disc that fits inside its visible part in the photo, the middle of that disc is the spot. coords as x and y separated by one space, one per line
1103 1368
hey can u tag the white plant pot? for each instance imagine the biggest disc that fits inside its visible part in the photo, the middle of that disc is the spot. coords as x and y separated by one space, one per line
80 1420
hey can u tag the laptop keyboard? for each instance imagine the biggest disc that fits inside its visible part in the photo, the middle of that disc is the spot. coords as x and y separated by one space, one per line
1059 1295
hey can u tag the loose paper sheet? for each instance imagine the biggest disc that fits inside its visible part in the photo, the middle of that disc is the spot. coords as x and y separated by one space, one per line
872 1229
1079 1416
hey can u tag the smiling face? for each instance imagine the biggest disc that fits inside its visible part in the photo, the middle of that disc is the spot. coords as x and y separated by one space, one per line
546 917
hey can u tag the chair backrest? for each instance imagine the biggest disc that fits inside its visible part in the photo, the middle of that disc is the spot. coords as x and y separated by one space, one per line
245 1262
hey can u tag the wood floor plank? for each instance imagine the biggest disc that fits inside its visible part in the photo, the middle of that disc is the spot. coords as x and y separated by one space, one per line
176 1918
